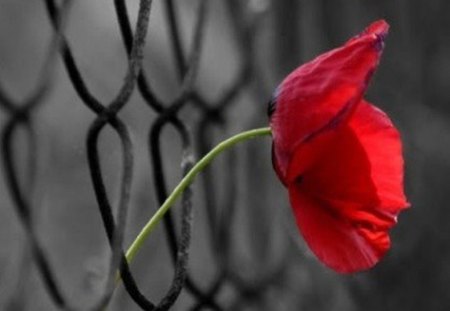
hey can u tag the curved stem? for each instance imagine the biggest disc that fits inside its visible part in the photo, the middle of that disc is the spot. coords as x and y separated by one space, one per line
186 181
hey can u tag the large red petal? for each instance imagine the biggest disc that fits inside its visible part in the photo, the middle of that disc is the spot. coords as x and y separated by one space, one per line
353 177
382 144
333 239
362 162
323 92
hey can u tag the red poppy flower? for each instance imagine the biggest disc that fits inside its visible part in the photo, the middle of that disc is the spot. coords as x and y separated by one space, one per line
339 156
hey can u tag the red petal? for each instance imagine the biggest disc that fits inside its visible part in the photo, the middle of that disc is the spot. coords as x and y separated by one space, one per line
334 240
276 167
379 28
322 93
363 161
349 196
382 144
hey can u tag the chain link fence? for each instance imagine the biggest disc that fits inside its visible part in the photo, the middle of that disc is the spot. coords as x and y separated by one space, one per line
113 208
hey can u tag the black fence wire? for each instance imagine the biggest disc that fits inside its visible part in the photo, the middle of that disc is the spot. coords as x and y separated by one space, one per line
21 115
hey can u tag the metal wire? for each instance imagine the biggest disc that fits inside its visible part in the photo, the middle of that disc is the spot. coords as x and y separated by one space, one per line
21 114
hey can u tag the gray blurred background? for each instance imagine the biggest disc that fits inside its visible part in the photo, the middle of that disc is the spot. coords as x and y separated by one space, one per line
268 39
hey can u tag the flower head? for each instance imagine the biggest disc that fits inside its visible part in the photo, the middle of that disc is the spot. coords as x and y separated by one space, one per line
339 156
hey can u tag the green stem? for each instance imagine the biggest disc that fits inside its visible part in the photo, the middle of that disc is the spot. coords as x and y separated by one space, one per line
186 181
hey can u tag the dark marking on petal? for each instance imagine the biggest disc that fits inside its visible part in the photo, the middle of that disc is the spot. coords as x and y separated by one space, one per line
271 106
379 43
334 122
273 102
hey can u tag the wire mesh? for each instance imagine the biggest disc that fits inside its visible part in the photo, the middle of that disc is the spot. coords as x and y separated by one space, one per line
212 114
